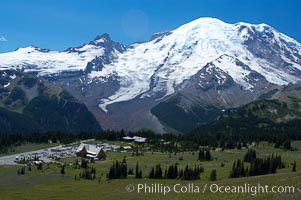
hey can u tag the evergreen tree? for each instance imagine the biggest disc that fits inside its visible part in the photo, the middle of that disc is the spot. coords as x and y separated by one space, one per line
169 174
117 169
137 171
230 144
172 172
238 169
63 169
294 167
181 174
208 155
175 171
123 169
232 172
22 172
201 169
40 166
186 174
242 170
152 173
287 145
111 174
84 164
250 155
201 155
258 166
158 172
165 174
212 176
191 174
247 171
140 174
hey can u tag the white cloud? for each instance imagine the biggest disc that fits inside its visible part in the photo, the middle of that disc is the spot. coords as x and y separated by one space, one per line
3 39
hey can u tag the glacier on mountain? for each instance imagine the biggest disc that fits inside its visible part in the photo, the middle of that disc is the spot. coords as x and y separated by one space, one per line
155 69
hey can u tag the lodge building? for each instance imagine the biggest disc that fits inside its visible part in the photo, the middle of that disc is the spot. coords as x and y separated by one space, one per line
91 152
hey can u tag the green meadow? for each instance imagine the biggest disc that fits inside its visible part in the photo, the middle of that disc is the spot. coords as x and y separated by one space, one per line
49 183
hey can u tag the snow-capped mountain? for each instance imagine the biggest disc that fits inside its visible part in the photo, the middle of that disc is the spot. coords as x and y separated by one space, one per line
48 62
164 63
206 62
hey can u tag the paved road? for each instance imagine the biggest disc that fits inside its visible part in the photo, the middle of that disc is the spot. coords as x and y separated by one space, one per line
9 160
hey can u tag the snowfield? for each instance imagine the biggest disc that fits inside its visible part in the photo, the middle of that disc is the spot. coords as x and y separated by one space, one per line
162 64
178 56
46 62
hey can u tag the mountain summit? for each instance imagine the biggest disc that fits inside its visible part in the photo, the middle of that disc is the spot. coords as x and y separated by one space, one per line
191 73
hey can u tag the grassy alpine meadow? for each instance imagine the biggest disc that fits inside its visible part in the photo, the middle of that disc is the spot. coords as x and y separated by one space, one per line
50 183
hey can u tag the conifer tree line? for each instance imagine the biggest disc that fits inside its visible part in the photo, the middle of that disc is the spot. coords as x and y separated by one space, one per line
188 142
258 166
204 155
172 172
118 170
156 173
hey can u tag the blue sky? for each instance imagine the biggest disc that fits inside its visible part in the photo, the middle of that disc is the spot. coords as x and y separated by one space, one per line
59 24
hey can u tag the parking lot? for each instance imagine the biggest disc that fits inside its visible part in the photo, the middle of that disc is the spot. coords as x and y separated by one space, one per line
45 155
